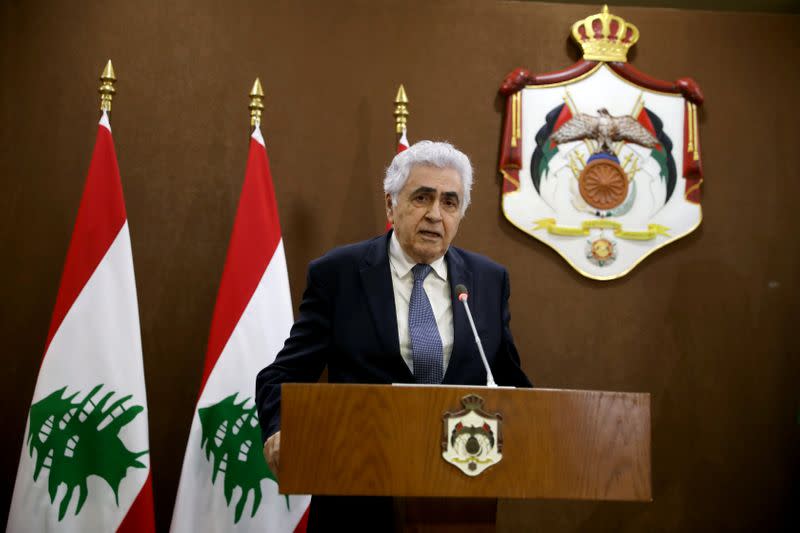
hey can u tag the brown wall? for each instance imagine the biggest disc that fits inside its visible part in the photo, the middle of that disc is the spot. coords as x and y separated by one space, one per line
707 325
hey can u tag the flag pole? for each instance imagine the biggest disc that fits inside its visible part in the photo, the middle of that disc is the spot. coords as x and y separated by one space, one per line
256 103
400 111
107 90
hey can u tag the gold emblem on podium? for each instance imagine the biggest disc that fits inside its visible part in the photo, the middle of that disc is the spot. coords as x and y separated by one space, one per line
471 438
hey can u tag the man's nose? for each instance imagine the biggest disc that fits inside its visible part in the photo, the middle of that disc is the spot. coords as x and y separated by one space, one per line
434 213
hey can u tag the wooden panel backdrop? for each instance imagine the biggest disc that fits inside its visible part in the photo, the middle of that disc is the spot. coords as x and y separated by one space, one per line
707 325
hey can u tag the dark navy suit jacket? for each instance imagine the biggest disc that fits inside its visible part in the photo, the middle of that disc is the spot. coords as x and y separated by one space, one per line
348 322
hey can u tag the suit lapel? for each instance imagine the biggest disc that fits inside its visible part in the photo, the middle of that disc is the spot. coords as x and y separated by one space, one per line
459 274
376 276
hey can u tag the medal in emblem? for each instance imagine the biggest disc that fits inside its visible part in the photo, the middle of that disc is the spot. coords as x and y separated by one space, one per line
471 438
601 251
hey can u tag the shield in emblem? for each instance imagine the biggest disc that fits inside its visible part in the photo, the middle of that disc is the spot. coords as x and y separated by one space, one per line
471 438
600 161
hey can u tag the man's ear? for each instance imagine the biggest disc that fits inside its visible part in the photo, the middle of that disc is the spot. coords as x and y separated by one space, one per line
389 208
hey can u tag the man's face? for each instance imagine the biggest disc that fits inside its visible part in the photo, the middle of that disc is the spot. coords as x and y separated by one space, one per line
428 212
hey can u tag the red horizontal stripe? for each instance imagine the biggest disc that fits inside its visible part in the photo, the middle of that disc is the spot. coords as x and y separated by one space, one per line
100 217
256 233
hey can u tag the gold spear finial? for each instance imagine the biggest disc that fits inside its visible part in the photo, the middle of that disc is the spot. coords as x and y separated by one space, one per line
256 103
106 89
400 110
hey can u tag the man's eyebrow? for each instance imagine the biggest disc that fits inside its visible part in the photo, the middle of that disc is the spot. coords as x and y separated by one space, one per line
426 190
450 194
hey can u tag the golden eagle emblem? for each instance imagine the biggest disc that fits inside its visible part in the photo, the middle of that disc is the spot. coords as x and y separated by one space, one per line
605 129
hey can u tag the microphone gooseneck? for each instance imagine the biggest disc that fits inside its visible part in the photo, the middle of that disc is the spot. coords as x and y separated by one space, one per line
463 296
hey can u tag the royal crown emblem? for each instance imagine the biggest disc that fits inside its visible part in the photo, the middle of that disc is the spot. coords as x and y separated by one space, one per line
471 438
605 37
599 161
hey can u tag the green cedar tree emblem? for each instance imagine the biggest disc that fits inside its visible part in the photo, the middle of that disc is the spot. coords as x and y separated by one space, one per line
76 439
230 432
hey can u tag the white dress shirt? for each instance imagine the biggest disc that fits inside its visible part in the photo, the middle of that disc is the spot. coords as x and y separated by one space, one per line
438 290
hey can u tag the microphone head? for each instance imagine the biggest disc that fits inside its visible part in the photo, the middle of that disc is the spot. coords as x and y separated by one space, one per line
462 293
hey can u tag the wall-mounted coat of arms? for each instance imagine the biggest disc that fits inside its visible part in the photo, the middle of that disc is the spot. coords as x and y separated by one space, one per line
600 161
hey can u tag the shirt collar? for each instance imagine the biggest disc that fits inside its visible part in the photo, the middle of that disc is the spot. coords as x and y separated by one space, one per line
402 264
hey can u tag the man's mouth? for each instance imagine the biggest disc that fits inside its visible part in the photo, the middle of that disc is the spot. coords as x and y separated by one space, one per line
430 234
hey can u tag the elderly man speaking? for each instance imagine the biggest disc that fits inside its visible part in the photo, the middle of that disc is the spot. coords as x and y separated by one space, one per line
385 311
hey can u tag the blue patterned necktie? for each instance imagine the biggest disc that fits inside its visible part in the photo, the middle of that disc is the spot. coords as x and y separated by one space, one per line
426 344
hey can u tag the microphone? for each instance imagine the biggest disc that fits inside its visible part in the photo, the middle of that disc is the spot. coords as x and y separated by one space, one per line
463 295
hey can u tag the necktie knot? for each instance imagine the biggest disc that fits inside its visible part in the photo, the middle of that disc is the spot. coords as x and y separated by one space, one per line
421 271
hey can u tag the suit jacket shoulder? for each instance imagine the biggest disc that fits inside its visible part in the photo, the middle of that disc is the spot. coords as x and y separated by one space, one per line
478 262
345 259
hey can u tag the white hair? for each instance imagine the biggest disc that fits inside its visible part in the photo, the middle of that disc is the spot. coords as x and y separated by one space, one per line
428 153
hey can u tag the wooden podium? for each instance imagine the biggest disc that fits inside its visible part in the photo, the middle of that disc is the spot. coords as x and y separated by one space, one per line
385 440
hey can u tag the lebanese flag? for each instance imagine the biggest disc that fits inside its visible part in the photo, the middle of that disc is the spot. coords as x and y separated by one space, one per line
402 146
225 483
85 462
